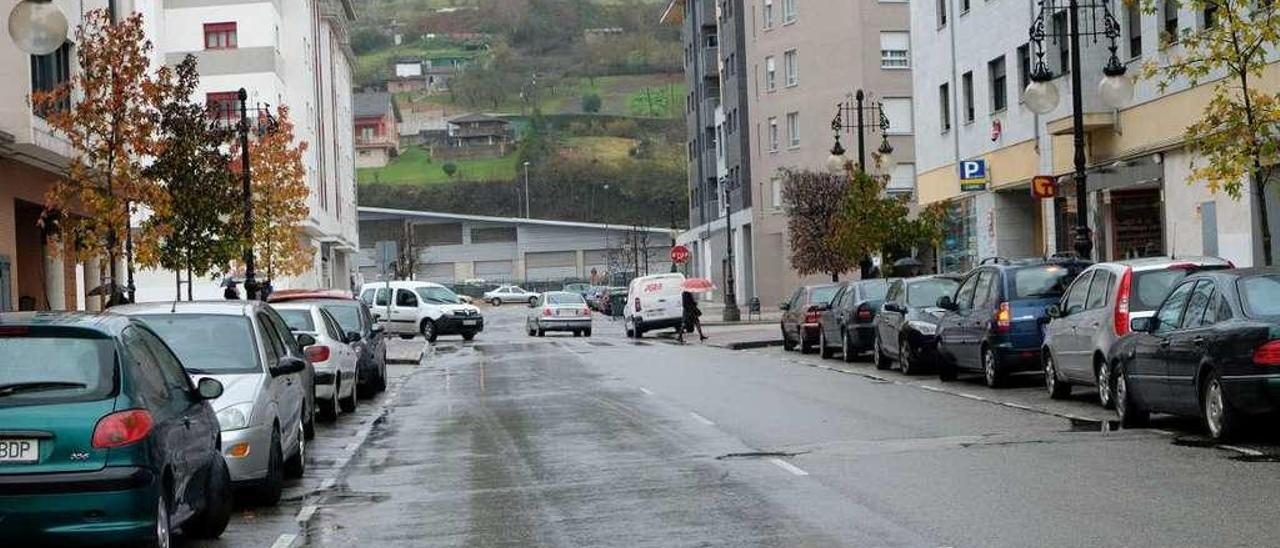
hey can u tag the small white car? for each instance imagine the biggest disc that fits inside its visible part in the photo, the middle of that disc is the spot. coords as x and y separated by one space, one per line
558 311
509 294
654 302
407 308
332 356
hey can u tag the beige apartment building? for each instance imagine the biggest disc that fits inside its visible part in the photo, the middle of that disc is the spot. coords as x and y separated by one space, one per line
806 56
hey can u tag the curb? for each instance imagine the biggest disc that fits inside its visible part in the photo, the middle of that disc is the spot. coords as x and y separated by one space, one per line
748 345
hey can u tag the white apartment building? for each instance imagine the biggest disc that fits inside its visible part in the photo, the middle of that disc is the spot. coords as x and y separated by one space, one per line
969 80
294 53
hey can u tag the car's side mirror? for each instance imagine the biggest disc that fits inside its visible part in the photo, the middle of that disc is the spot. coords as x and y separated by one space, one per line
208 389
376 328
353 336
288 365
893 307
1142 325
1053 311
945 303
784 307
305 340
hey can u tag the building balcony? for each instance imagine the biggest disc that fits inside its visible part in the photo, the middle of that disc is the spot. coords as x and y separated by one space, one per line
710 104
711 61
706 11
386 140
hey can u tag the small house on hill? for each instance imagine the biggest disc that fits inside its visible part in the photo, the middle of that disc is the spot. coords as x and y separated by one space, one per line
377 133
478 136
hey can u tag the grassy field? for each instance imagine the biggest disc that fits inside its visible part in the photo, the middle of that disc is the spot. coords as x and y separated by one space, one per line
414 166
604 149
647 95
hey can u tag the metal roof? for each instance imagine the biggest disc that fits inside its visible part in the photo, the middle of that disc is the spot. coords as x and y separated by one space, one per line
374 103
365 212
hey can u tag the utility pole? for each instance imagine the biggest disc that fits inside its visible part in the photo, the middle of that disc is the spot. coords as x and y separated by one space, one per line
526 190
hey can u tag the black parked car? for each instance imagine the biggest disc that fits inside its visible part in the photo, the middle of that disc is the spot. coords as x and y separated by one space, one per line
800 315
848 319
366 336
1211 350
994 323
906 328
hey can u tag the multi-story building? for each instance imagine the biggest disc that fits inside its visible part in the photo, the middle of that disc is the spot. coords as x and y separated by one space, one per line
293 53
969 82
765 77
377 120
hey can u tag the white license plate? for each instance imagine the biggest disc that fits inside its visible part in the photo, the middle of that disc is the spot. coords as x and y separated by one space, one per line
19 450
468 322
566 312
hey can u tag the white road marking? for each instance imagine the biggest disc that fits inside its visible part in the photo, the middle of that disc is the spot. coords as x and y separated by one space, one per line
646 391
788 467
1162 432
284 541
305 514
1243 450
327 484
351 446
701 419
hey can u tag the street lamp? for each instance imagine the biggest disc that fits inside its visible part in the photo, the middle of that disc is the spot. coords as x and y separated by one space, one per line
1042 96
37 26
266 124
731 311
526 190
856 107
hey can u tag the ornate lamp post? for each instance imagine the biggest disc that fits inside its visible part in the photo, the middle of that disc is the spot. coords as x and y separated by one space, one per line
857 107
1041 95
731 311
37 27
266 123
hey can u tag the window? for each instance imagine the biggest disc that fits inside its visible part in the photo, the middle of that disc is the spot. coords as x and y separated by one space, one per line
1099 291
770 74
895 50
792 63
964 296
1210 14
1201 299
1024 69
1133 22
966 88
1077 295
898 111
406 298
1169 12
902 180
50 71
775 187
220 35
773 134
223 104
941 7
793 129
944 106
768 14
788 11
999 84
1169 316
270 342
1061 32
964 7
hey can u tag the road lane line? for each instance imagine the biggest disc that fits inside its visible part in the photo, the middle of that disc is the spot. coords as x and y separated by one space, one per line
327 484
284 541
1243 450
306 513
646 391
788 467
701 419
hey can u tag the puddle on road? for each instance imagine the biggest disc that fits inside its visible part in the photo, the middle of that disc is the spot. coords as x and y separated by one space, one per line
1092 425
447 349
596 343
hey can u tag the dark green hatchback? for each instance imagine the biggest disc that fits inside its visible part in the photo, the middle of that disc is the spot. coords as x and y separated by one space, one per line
103 437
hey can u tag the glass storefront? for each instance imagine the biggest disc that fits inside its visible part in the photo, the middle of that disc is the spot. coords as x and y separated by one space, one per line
959 248
1136 219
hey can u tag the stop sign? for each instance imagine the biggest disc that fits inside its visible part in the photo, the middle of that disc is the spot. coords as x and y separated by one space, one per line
679 254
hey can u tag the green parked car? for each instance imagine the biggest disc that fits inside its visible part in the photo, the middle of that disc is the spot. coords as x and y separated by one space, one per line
103 437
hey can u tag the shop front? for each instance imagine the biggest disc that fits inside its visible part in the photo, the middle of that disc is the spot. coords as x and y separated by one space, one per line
1126 211
959 249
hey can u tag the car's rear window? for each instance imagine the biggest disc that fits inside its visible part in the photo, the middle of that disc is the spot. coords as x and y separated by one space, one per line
822 294
1043 281
297 319
1151 287
1260 295
927 292
208 343
564 298
347 314
38 370
874 290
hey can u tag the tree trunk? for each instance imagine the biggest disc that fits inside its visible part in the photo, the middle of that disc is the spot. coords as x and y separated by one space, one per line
1264 222
835 277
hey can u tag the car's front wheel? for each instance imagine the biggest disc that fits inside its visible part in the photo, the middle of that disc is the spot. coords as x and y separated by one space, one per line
786 341
881 359
1058 388
162 534
823 350
297 464
428 330
906 362
268 493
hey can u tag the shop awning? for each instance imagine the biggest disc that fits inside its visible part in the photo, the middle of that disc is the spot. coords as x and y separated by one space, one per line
1135 173
1092 121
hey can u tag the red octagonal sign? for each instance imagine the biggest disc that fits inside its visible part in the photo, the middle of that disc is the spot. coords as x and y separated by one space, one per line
679 254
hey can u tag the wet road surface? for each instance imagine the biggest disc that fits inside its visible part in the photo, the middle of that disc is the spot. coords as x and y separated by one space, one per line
559 441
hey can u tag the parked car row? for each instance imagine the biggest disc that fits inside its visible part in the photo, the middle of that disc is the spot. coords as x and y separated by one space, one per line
1190 336
137 422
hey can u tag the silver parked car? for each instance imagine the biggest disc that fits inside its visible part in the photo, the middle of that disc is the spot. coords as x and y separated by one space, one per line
266 408
1098 308
334 359
558 311
509 294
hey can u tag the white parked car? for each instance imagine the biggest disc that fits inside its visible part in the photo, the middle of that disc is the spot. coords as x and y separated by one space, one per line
509 294
332 356
654 302
558 311
407 308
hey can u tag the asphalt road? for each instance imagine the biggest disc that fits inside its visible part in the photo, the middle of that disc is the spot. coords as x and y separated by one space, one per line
560 441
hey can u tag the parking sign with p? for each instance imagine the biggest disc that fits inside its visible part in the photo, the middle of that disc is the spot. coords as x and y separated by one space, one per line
973 175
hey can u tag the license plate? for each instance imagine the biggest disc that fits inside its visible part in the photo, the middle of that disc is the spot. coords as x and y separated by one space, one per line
468 322
566 312
20 450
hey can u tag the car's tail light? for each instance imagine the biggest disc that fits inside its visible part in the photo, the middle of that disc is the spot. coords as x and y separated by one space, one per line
811 315
317 353
122 428
1004 318
546 312
1267 354
1122 303
864 312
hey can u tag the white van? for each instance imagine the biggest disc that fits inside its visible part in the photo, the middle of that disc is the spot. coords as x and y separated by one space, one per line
654 302
407 308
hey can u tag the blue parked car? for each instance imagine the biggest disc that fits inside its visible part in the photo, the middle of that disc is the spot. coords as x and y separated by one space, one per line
994 323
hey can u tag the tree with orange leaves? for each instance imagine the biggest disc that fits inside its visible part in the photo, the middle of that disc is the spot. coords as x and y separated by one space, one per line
280 194
108 112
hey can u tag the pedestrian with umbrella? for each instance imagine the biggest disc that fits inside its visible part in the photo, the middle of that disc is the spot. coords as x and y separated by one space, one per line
689 304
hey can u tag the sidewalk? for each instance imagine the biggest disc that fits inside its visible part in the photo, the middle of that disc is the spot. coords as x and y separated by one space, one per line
742 336
713 311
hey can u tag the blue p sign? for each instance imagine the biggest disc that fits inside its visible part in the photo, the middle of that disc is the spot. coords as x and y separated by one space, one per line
973 170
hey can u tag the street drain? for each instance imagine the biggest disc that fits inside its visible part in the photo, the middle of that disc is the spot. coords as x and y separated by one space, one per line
760 455
1092 425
